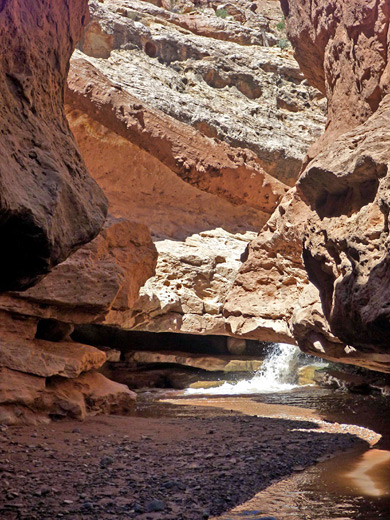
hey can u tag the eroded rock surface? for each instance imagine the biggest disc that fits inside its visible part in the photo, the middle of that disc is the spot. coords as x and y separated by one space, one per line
49 205
346 185
35 343
104 275
241 90
340 209
193 115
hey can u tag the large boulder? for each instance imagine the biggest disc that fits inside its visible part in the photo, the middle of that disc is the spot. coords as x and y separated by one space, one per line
101 277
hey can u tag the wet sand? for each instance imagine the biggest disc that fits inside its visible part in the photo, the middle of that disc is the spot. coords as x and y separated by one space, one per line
175 461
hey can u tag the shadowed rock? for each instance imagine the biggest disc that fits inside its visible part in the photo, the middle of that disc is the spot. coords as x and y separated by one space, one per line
49 206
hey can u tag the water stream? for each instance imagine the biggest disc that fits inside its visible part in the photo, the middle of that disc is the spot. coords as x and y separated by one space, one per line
350 486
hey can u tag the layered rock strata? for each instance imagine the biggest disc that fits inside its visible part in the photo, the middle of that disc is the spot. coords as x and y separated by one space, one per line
49 205
35 346
175 109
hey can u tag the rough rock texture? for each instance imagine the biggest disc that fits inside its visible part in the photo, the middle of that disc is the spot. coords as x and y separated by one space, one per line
192 279
209 363
49 205
33 400
89 394
46 359
346 185
234 175
240 90
341 203
341 47
175 109
19 387
41 379
104 275
272 279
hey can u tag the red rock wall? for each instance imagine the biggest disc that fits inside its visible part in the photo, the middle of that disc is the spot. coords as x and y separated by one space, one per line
342 48
49 205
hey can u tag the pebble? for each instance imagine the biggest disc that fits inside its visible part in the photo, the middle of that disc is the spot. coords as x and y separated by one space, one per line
155 506
106 461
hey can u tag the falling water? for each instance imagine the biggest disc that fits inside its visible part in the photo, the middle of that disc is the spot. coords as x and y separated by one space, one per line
277 374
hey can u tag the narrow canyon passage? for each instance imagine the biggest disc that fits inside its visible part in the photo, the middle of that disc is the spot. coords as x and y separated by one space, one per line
194 202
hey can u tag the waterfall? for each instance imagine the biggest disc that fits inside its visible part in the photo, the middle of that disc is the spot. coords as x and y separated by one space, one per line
277 374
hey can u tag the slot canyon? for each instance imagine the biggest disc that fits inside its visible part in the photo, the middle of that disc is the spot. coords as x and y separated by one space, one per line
194 205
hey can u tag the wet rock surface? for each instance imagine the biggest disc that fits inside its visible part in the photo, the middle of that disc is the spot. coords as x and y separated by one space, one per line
165 467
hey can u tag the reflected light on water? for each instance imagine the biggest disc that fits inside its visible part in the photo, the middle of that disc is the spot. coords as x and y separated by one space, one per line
369 473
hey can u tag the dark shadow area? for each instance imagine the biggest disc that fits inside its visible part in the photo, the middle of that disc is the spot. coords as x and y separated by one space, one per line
369 411
126 341
332 194
129 340
26 256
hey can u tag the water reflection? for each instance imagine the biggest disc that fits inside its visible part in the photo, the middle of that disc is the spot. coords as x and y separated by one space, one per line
371 473
349 486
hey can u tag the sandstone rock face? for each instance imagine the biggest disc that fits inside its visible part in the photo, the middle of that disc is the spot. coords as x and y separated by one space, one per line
188 122
89 394
104 275
229 84
33 400
192 279
339 211
232 174
345 238
49 205
272 279
209 363
176 110
342 49
46 359
19 387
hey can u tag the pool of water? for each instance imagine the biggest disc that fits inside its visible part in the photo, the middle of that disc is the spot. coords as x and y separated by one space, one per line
348 486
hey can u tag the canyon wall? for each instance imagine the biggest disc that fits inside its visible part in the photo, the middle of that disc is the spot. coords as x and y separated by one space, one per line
339 209
188 121
49 205
196 122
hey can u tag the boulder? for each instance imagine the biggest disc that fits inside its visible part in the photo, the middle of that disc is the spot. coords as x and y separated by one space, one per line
104 275
19 387
89 394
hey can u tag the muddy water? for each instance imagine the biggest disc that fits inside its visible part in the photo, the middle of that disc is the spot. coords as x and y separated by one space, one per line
349 486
